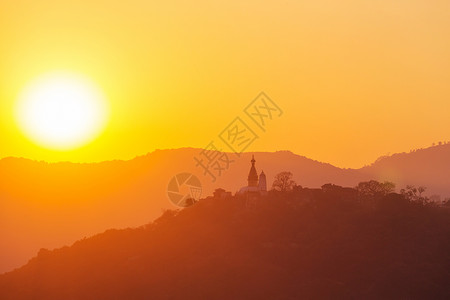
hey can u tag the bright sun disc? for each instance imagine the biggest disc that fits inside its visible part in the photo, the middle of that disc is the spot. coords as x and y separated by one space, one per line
62 111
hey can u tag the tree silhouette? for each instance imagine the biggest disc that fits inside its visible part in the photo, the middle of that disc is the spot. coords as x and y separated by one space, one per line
374 188
283 182
189 201
414 194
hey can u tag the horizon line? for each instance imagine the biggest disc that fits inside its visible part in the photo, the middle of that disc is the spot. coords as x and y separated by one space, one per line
194 148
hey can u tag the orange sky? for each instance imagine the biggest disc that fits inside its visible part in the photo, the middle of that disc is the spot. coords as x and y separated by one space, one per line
355 79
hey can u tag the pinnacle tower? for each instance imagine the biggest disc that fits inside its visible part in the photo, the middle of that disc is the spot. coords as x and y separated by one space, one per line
252 175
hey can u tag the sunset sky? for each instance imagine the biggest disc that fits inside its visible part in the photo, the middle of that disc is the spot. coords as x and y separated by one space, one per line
355 79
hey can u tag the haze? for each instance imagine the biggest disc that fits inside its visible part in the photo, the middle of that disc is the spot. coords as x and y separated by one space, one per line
365 77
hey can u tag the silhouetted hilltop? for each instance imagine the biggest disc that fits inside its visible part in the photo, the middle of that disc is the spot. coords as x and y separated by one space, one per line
328 243
50 205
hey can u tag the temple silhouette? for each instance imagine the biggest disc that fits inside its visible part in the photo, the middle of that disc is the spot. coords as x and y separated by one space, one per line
257 186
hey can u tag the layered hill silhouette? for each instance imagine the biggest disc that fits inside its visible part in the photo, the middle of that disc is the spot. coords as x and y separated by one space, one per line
46 205
429 167
311 244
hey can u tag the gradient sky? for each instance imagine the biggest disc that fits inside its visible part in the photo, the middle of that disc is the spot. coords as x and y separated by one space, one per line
356 79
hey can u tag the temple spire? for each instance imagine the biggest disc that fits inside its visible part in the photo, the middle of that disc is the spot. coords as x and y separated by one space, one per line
252 175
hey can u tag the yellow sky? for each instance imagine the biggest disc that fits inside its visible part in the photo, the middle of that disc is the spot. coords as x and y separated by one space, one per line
355 79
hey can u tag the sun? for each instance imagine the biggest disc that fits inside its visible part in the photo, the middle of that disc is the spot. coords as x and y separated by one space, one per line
62 111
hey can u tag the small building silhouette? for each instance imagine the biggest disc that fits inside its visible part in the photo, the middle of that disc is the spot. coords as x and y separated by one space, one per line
221 194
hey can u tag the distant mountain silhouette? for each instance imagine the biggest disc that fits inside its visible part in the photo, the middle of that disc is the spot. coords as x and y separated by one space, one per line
313 244
429 167
46 205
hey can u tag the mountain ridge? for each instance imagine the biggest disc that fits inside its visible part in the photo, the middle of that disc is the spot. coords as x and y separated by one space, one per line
120 194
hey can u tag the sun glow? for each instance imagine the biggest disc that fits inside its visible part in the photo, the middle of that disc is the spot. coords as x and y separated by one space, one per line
62 111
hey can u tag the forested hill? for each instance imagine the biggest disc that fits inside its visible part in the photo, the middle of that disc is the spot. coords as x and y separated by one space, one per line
310 243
